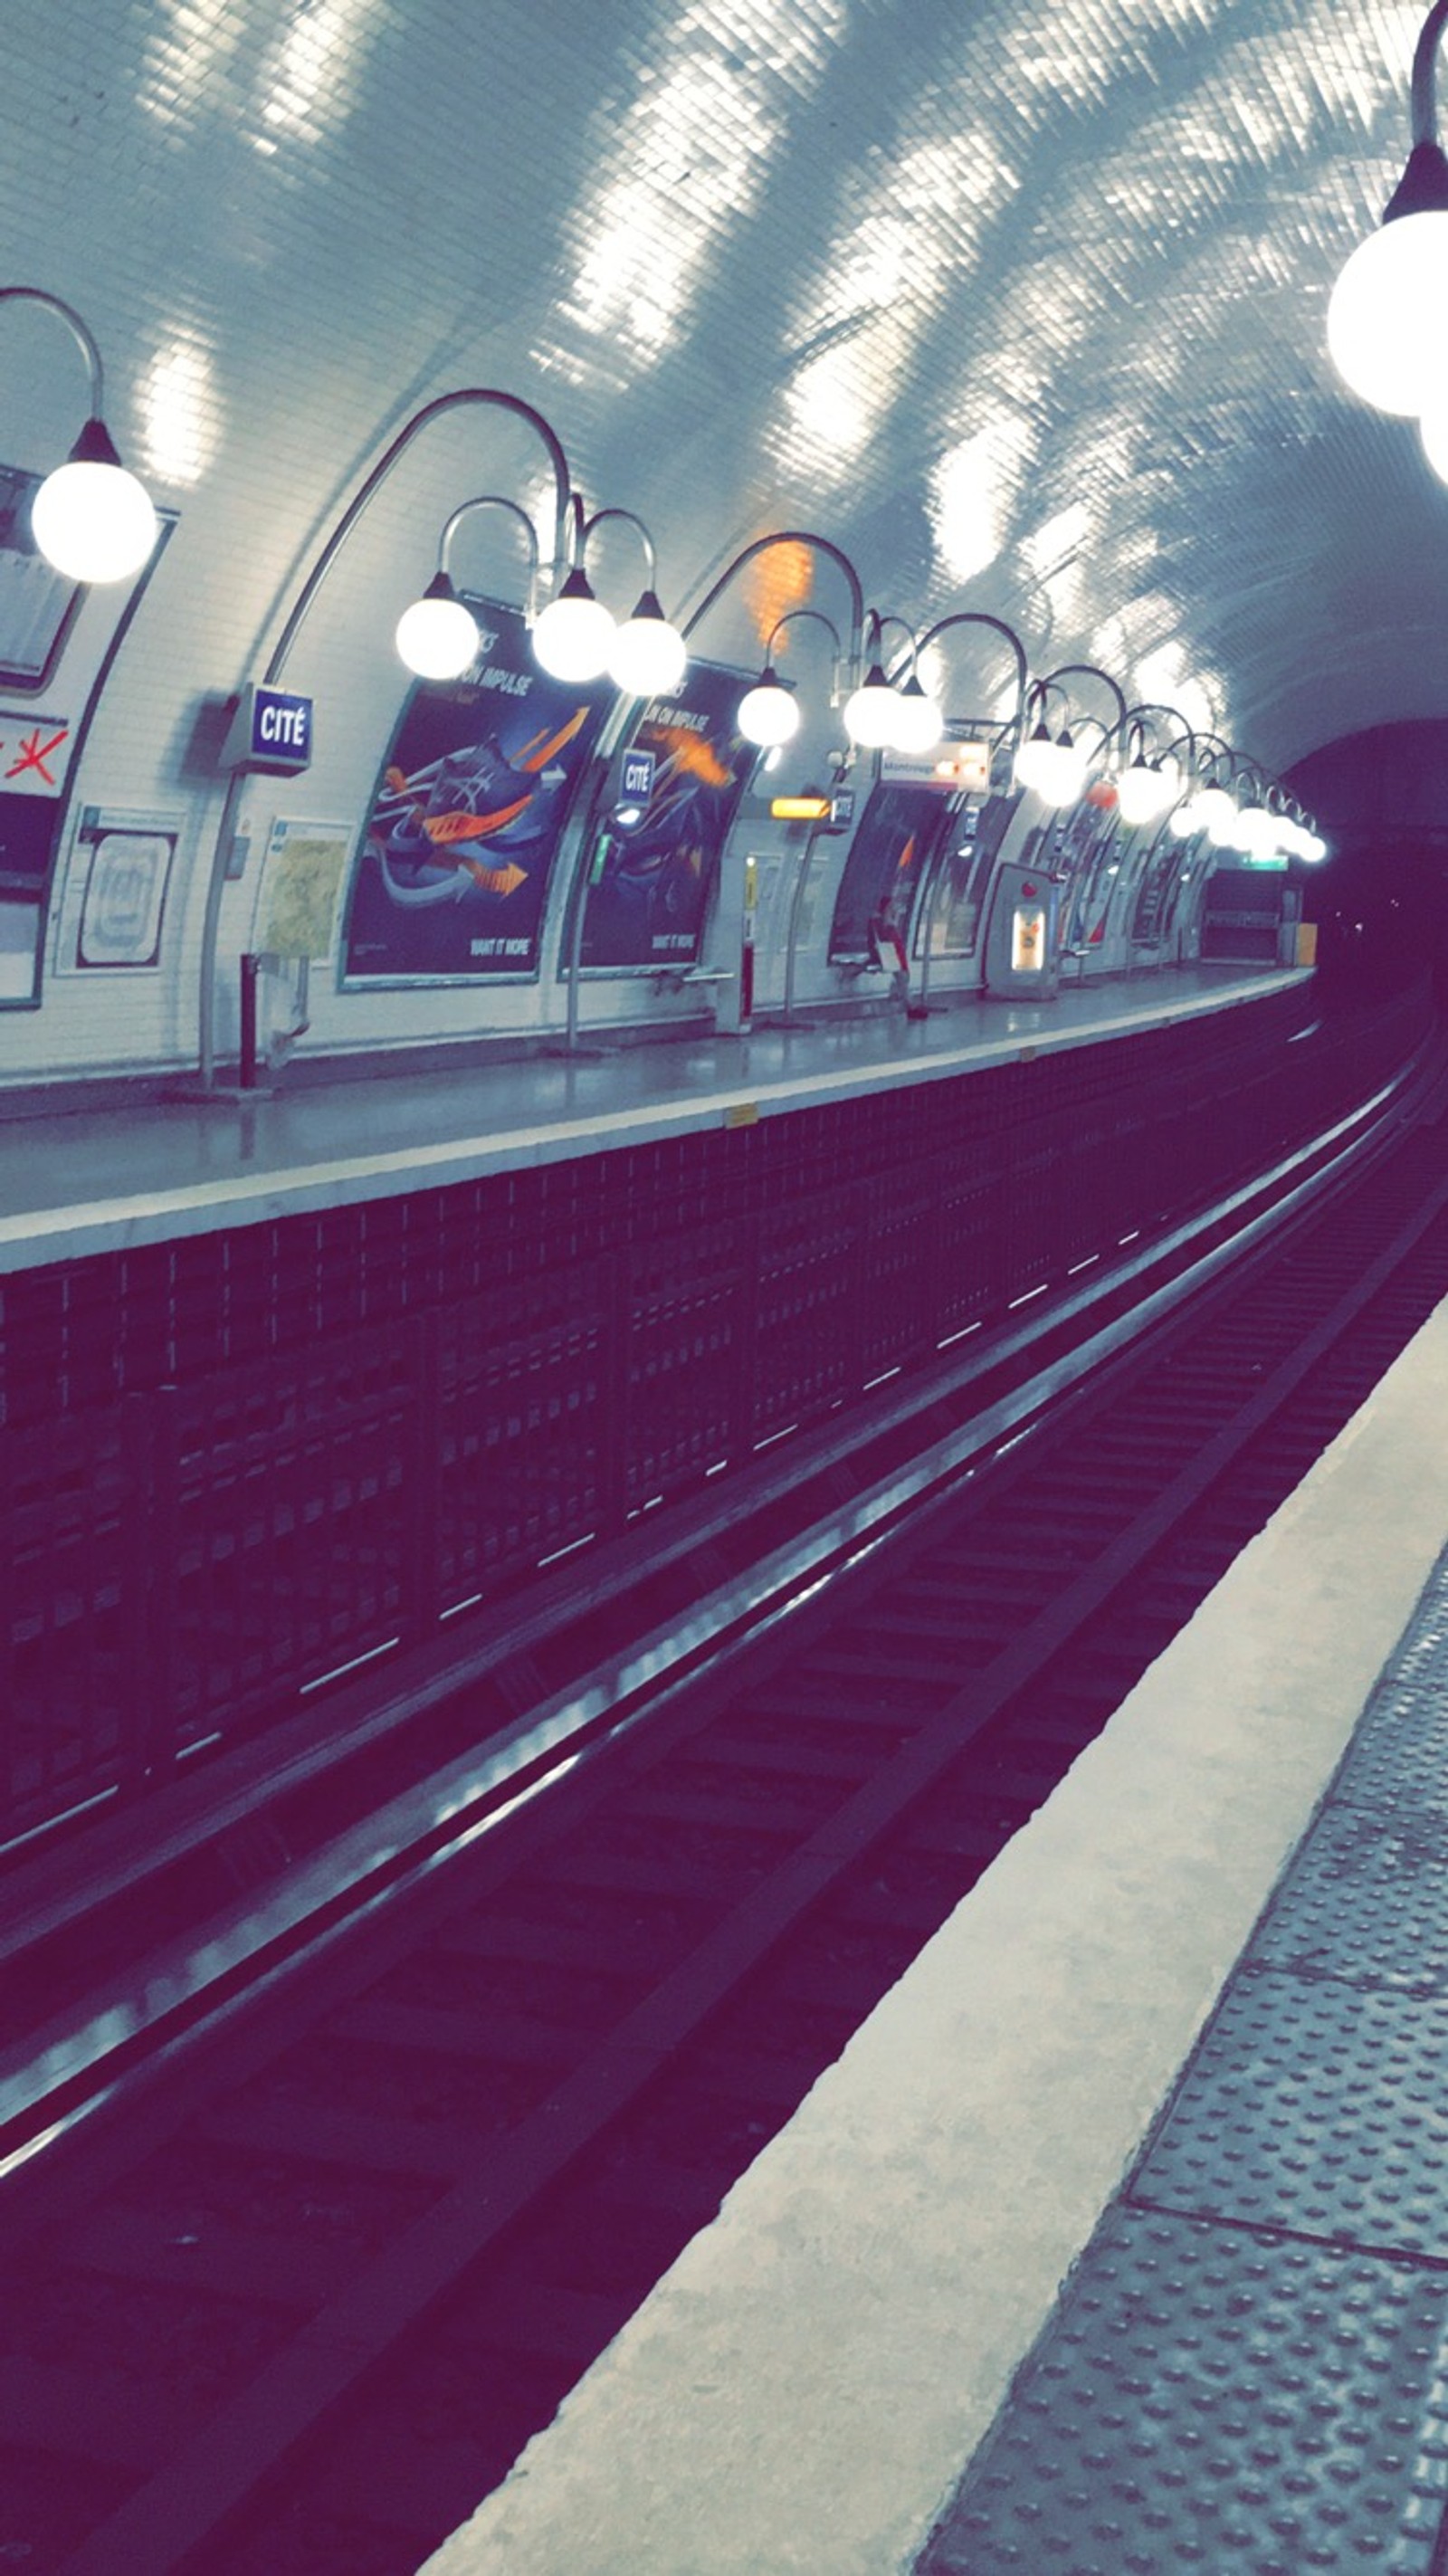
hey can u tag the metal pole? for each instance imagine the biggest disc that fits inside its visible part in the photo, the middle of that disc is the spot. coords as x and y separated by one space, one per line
250 971
795 911
932 896
580 906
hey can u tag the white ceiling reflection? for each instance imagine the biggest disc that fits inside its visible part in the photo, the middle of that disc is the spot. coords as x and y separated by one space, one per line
178 409
1024 309
306 81
686 149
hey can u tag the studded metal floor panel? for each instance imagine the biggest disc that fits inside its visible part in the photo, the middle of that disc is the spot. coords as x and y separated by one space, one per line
1248 2369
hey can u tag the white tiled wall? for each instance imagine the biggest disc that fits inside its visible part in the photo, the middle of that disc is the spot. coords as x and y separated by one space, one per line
1022 308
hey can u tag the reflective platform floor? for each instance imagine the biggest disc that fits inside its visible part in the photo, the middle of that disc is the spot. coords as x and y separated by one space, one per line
1116 2242
75 1182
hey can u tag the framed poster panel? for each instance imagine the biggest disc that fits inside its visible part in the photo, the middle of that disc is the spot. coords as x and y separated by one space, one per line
900 831
451 876
1081 837
957 904
113 910
653 862
1149 919
125 898
301 879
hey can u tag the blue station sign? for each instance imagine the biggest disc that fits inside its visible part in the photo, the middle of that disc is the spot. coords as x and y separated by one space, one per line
636 782
271 732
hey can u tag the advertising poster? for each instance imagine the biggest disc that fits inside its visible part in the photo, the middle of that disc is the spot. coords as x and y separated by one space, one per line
652 865
900 832
1081 838
452 874
1084 926
1151 918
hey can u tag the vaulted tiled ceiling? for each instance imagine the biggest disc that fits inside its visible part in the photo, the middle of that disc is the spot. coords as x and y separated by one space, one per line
1022 306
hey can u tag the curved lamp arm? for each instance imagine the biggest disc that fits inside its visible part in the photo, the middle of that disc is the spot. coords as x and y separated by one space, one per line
1038 698
583 530
792 537
1139 716
515 510
1107 732
1208 750
815 617
1425 75
878 624
1089 671
998 626
78 329
465 396
1422 184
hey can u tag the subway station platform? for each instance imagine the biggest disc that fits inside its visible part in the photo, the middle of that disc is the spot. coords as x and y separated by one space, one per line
80 1181
1116 2242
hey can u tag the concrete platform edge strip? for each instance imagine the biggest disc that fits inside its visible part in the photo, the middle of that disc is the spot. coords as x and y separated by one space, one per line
803 2388
289 1180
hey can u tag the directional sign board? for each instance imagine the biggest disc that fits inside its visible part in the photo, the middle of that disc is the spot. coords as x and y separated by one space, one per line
271 732
636 777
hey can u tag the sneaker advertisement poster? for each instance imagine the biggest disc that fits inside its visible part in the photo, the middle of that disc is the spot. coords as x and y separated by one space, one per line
451 879
653 865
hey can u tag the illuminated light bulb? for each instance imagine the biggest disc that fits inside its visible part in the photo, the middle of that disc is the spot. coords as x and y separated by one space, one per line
1068 783
872 711
1217 815
1144 790
573 638
92 519
1387 311
648 657
768 714
1033 762
1061 772
437 637
1188 817
1433 431
918 719
1054 771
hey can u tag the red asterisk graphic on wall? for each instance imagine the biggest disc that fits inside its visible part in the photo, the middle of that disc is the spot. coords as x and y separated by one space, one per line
34 754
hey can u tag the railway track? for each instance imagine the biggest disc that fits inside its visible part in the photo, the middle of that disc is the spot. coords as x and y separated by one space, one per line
322 2255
